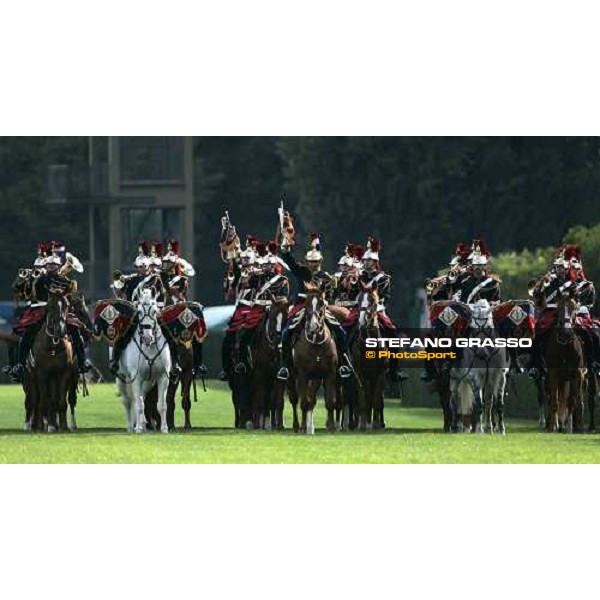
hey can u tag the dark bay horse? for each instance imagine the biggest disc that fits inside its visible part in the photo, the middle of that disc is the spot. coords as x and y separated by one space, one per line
370 372
268 391
315 362
52 370
566 372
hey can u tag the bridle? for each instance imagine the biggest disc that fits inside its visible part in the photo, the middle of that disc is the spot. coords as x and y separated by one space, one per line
277 316
314 335
55 327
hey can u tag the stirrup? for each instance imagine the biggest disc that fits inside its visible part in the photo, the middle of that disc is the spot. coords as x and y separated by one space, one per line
200 371
344 372
240 368
223 376
174 373
283 374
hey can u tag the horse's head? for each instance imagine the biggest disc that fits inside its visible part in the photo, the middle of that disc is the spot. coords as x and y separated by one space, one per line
315 306
368 303
56 315
147 312
278 312
481 315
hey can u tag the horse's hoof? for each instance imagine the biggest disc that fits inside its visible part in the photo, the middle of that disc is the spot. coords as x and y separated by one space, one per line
249 425
27 426
51 429
164 430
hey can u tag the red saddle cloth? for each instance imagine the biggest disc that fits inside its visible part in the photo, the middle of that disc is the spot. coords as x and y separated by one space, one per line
30 316
185 321
515 317
449 315
239 317
112 319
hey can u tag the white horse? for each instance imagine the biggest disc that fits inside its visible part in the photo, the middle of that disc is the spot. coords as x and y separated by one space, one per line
477 384
146 361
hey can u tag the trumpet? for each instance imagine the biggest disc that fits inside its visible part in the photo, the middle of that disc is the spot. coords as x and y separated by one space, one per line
29 273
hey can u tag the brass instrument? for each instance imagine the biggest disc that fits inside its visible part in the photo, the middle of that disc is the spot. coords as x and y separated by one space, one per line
29 274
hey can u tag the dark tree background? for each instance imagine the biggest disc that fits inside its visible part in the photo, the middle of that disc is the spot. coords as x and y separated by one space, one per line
418 195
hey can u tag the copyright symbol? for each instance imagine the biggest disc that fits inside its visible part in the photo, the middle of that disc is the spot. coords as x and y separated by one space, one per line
370 354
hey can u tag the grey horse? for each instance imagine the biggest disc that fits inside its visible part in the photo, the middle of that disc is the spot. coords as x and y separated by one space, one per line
478 381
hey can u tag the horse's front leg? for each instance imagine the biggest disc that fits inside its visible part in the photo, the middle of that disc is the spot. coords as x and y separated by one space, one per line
140 414
161 405
330 402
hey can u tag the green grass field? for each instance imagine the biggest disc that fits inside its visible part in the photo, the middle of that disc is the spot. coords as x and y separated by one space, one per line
412 436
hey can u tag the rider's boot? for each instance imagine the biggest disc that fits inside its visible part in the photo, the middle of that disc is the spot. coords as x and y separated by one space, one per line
394 373
175 371
285 355
429 374
83 364
245 336
24 347
226 349
113 364
341 342
199 369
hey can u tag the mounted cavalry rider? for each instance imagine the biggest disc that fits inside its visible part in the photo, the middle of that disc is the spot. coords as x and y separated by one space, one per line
440 287
477 282
347 287
565 276
129 287
53 266
242 282
175 272
373 276
311 272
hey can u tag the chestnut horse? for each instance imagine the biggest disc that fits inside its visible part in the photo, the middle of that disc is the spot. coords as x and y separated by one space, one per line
565 365
315 361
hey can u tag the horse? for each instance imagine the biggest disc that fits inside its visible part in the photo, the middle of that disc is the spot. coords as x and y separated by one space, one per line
185 379
315 361
268 391
52 370
240 383
370 372
566 372
145 362
482 373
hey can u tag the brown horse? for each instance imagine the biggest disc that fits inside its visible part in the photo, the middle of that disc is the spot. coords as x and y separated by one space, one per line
370 372
268 391
566 371
52 370
315 361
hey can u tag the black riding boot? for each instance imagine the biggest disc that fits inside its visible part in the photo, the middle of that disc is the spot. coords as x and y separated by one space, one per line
245 340
226 350
285 354
118 348
24 347
536 367
341 342
83 365
175 368
200 369
430 372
